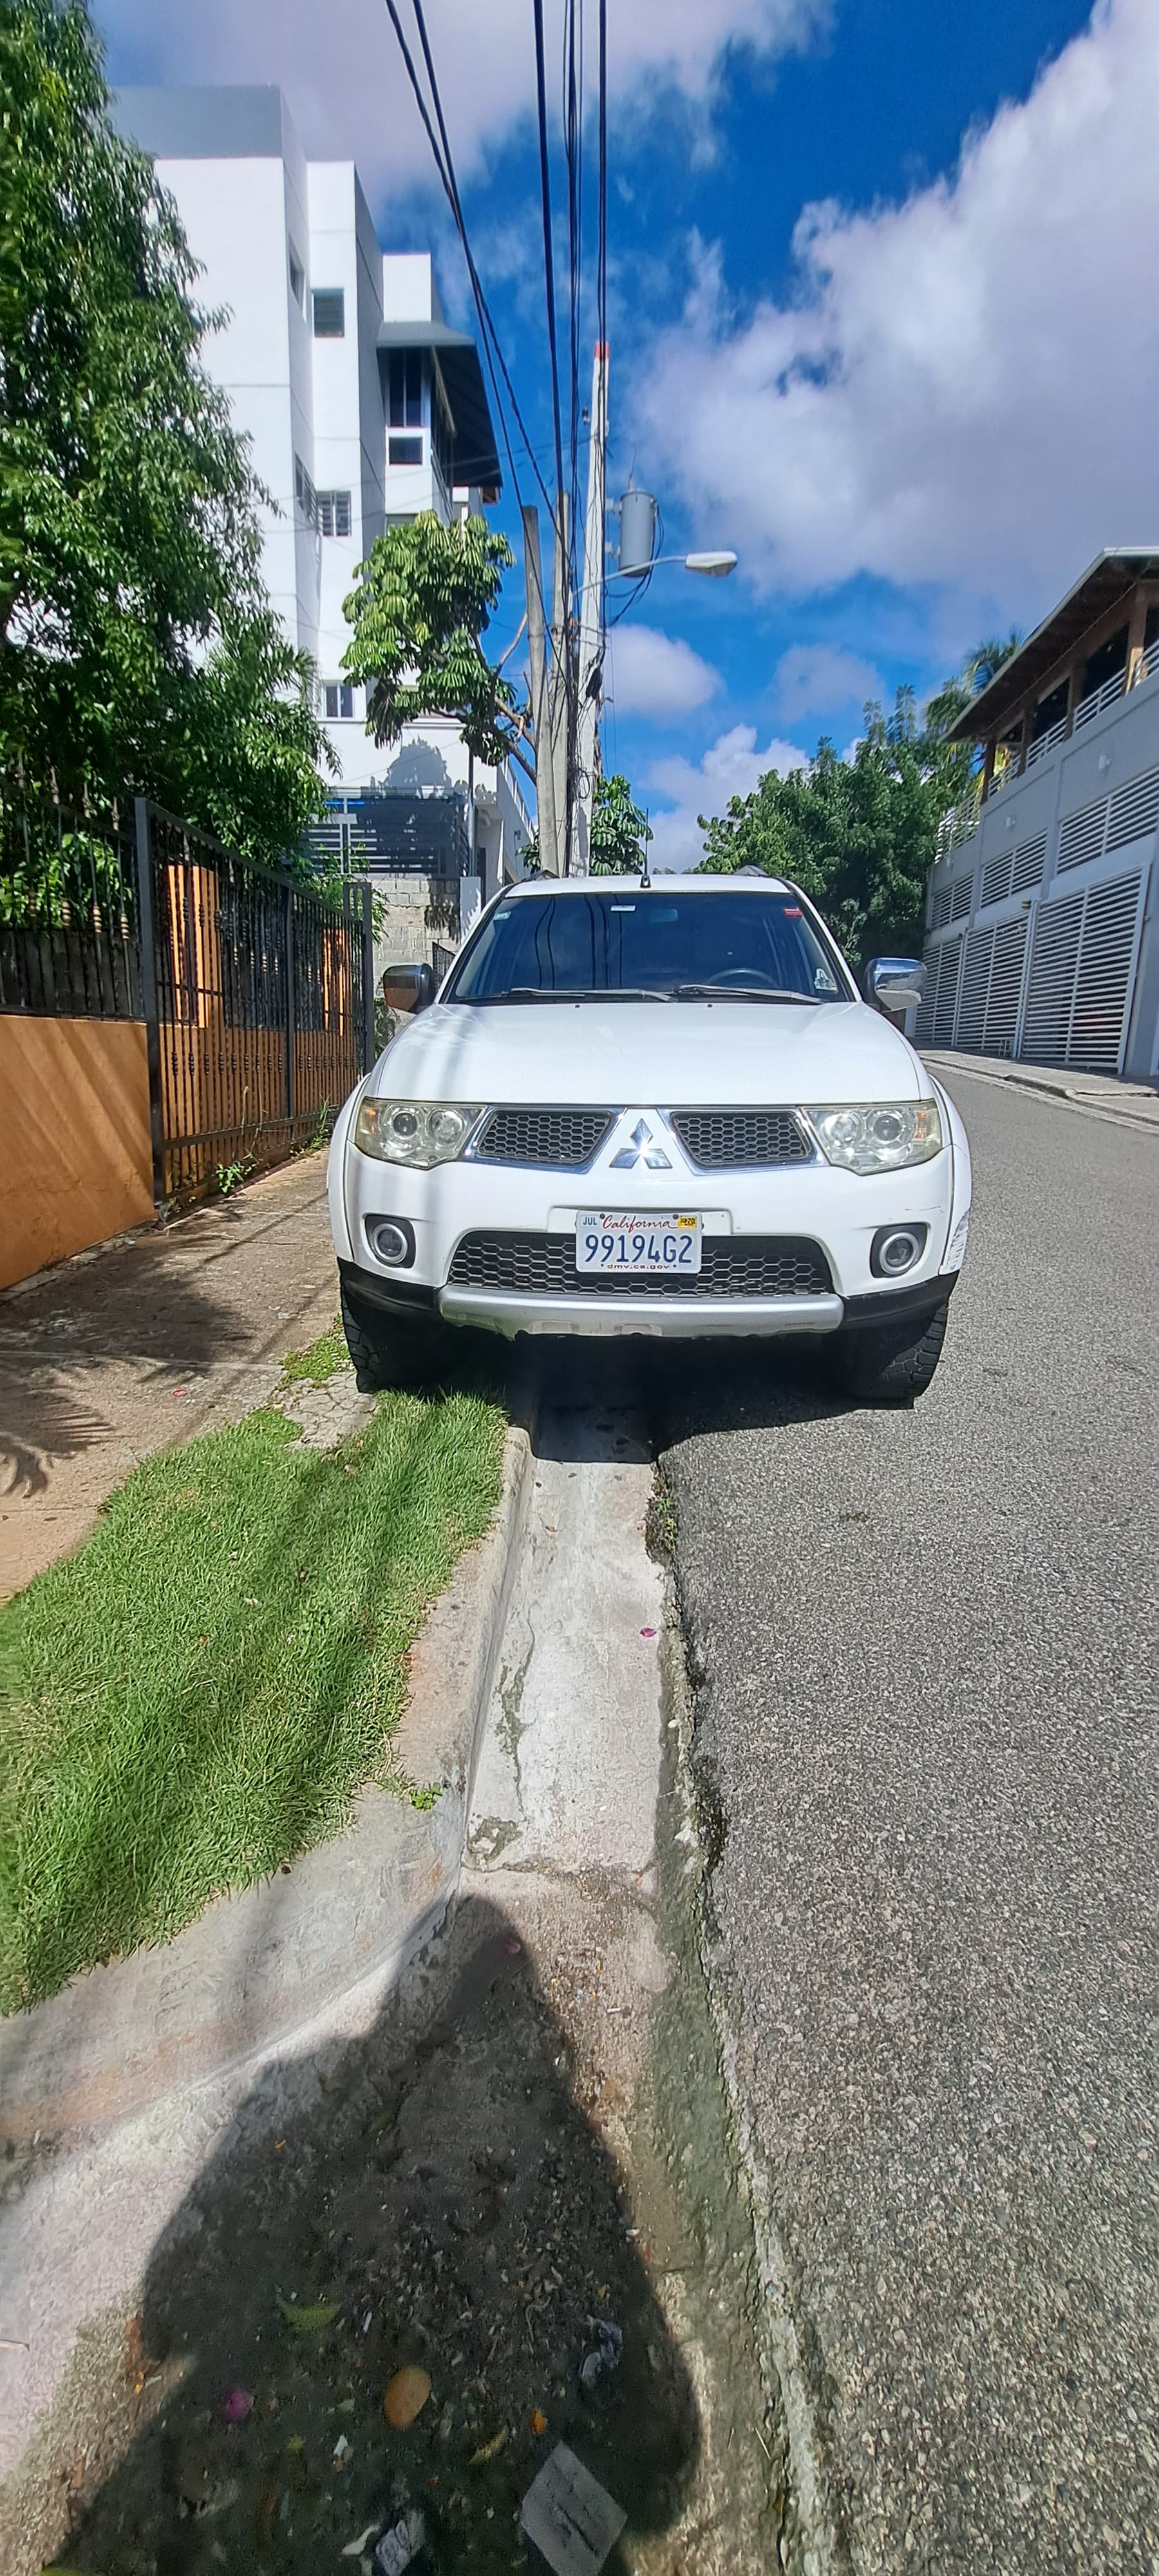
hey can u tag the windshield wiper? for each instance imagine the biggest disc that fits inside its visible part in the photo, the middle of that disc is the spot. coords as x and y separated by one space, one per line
580 993
746 993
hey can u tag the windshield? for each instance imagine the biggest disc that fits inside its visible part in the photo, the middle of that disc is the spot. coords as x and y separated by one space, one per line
662 946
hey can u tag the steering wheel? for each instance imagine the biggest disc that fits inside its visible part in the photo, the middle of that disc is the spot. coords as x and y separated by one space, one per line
740 975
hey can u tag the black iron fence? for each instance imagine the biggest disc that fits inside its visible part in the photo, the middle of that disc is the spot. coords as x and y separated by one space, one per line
255 987
68 904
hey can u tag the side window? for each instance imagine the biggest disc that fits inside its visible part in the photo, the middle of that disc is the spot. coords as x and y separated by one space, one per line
304 494
334 514
329 313
406 389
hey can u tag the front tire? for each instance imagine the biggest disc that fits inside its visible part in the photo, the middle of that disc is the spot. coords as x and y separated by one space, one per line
889 1363
390 1350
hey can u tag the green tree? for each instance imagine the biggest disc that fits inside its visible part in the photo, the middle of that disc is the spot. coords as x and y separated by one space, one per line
138 651
620 832
974 673
858 836
422 600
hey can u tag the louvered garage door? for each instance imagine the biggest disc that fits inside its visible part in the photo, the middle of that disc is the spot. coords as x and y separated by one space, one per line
991 988
1005 986
975 987
945 1005
1106 964
1081 970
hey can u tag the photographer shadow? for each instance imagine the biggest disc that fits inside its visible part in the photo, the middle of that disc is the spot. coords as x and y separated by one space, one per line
435 2200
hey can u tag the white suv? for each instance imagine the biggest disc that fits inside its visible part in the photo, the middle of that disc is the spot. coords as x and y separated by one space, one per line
644 1107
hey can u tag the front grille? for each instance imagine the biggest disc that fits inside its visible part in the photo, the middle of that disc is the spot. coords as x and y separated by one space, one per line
563 1139
732 1265
723 1139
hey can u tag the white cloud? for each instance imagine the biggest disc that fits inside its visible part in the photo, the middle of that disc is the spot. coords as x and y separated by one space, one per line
811 679
656 676
730 767
965 388
344 78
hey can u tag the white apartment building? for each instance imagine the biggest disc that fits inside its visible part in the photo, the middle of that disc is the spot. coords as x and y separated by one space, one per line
362 406
1043 908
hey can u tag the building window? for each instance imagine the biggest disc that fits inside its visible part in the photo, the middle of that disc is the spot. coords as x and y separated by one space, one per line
339 698
329 313
405 451
1104 664
400 518
442 434
334 514
304 494
406 389
1049 711
297 280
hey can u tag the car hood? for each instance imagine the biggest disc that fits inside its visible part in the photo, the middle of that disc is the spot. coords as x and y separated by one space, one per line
654 1054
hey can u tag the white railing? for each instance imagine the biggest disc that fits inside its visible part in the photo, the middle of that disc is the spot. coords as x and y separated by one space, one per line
1148 664
1094 705
1048 741
1004 778
956 826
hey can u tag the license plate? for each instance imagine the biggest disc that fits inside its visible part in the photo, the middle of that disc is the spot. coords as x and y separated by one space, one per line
659 1245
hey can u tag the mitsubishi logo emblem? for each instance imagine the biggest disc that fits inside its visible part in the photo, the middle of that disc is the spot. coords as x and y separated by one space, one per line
641 1147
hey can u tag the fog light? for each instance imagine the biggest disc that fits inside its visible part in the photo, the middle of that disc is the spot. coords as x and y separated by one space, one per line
895 1248
391 1240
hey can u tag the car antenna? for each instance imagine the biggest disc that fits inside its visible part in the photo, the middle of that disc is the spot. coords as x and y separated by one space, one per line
645 879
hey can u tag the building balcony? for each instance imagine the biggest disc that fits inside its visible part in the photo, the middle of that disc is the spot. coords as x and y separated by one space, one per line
1094 704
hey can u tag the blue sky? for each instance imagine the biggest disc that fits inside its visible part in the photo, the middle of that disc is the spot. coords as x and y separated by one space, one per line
882 317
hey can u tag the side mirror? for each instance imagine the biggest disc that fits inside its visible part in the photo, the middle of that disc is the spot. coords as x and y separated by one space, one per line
893 983
408 988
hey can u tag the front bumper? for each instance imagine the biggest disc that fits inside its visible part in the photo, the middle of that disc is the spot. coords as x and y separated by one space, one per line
607 1317
838 1211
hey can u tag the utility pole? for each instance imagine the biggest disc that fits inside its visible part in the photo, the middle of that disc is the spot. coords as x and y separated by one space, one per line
591 622
550 694
559 691
541 696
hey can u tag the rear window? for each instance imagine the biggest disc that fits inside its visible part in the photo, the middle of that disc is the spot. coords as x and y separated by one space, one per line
586 945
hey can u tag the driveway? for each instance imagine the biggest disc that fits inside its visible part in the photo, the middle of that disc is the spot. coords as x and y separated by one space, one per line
925 1747
115 1354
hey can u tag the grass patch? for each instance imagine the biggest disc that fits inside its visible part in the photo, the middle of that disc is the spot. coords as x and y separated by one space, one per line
195 1697
322 1360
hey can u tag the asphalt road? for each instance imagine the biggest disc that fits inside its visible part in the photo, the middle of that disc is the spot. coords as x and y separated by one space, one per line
926 1742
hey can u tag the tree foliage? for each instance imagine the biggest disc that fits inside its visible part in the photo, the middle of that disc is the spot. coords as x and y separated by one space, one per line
856 835
859 836
974 673
138 651
620 832
423 598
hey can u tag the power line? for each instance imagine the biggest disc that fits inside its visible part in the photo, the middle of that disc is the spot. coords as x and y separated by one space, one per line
446 171
548 255
482 305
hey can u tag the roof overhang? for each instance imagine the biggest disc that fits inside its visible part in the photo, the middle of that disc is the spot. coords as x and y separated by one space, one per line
1112 576
476 457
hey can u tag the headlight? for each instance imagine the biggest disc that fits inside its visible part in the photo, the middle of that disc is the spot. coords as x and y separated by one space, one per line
879 1135
420 1132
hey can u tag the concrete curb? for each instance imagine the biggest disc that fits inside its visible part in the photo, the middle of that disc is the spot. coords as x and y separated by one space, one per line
1112 1100
355 1913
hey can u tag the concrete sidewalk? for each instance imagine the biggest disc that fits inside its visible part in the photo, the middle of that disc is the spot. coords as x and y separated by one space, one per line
1103 1093
124 1350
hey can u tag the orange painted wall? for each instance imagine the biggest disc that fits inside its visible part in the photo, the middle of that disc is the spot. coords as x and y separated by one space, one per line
75 1160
